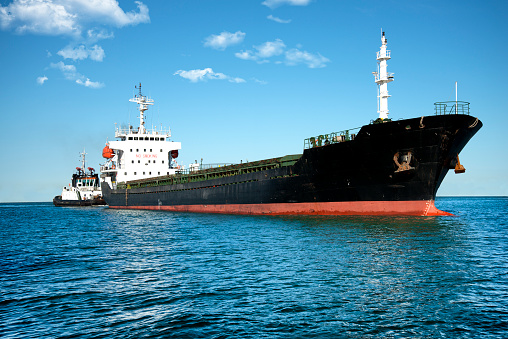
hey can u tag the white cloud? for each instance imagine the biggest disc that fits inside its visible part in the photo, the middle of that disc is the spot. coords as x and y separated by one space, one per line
93 36
196 75
261 82
95 53
276 3
246 55
236 80
84 21
67 17
292 57
70 73
270 48
42 17
41 80
279 20
295 57
263 52
88 83
223 40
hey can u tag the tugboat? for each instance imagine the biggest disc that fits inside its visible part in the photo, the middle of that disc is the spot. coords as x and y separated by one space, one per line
83 190
388 167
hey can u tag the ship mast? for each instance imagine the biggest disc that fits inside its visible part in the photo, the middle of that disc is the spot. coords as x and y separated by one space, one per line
143 106
382 78
83 160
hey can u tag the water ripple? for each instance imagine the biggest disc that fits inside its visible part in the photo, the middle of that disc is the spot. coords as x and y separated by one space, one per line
100 273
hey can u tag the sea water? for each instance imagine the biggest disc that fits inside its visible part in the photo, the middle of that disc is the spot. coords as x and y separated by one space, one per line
104 273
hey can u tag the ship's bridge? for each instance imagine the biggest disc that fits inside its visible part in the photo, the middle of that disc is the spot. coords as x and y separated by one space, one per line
140 153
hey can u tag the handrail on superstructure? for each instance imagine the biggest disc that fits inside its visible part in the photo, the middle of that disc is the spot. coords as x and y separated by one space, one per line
451 107
330 138
154 131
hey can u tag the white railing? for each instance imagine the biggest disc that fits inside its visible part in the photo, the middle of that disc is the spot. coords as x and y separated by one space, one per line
124 131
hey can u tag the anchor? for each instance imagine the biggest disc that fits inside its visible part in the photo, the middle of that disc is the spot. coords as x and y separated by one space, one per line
458 167
406 160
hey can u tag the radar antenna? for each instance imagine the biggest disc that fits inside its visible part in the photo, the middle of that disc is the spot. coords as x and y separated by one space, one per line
143 102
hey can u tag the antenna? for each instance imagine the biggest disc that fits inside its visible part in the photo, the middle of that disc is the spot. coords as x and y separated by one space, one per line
143 106
456 102
139 87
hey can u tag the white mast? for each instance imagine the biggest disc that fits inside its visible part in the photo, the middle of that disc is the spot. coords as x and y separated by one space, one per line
83 160
143 106
382 78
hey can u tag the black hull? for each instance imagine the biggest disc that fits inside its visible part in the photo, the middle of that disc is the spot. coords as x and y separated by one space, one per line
57 201
364 171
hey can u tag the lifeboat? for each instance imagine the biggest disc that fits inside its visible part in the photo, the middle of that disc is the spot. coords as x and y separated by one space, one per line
107 152
174 153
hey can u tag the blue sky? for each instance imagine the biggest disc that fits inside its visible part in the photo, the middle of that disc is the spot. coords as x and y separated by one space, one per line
239 80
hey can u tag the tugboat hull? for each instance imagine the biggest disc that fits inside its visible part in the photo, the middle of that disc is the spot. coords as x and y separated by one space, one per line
59 202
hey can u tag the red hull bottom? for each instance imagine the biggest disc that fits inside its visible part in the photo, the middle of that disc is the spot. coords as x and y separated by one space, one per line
416 208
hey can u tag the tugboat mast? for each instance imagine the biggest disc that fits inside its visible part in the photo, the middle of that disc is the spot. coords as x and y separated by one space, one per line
382 78
83 160
143 106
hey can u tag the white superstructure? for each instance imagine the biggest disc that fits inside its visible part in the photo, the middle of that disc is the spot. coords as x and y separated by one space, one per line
84 186
139 153
382 78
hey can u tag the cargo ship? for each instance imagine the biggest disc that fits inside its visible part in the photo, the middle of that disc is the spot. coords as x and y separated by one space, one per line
83 190
387 167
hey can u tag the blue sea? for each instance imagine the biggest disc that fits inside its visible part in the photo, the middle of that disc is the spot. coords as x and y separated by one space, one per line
103 273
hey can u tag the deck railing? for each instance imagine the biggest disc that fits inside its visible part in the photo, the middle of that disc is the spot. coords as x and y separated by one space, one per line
193 175
451 107
330 138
